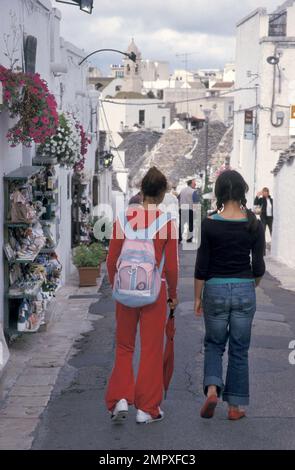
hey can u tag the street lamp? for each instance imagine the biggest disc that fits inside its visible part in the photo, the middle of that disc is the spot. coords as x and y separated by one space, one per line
207 113
106 159
130 55
85 5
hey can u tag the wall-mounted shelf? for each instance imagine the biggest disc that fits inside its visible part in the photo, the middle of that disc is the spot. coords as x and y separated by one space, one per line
18 273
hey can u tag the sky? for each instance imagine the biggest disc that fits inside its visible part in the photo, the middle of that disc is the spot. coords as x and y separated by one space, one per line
161 29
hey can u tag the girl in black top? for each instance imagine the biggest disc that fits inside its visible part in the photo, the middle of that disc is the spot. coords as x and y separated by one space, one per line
228 267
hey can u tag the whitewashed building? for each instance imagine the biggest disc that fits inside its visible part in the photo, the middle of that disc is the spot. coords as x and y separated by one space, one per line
154 70
126 105
284 196
229 72
265 72
57 61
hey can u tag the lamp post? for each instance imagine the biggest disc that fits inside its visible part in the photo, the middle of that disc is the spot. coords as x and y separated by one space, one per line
85 5
207 113
206 202
130 55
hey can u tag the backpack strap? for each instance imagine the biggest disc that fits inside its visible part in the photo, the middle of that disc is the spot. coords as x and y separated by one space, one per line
147 233
122 220
162 264
140 234
159 223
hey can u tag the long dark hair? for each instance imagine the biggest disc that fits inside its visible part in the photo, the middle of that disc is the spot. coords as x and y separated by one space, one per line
154 183
231 186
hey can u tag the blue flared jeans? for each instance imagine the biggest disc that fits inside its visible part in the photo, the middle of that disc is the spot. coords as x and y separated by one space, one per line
229 309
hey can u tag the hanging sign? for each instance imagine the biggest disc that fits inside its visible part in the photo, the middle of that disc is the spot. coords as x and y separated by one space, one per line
249 124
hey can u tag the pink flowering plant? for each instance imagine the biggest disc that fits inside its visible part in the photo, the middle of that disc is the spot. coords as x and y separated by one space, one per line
26 97
85 141
68 145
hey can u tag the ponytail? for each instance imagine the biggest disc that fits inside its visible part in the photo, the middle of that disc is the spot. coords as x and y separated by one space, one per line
252 219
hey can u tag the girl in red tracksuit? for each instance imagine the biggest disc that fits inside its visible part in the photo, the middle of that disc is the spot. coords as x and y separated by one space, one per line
145 392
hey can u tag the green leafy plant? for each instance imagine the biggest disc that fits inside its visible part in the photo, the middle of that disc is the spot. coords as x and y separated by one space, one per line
89 255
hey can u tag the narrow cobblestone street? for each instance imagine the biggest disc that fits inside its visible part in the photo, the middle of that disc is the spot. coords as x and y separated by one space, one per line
75 417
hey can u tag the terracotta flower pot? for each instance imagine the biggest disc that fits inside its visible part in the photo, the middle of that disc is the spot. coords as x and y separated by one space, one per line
88 276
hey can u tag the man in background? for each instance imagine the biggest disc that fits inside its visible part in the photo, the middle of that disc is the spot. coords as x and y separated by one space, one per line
170 203
186 213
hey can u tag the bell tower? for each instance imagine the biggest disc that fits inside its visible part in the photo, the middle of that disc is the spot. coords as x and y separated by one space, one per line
132 70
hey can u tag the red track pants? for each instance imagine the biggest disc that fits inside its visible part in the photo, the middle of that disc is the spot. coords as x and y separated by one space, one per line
147 391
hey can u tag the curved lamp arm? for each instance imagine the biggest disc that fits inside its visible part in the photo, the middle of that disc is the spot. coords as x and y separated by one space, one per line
130 55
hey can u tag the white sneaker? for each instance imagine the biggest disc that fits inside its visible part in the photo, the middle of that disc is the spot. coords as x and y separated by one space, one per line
120 412
146 418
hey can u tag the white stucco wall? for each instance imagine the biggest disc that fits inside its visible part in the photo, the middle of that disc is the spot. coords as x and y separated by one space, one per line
284 222
182 98
153 70
112 88
104 195
229 73
38 18
126 114
248 35
256 160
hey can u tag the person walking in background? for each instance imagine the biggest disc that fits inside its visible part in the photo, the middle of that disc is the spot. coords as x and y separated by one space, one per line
136 199
174 190
146 391
186 213
197 196
265 202
225 283
170 204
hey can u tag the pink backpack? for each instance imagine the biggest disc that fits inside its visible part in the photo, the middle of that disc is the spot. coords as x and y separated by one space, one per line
138 279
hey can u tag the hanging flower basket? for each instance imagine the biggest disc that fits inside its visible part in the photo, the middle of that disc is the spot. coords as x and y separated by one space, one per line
68 145
79 166
26 97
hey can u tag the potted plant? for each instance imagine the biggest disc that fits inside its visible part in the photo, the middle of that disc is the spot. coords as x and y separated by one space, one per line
88 259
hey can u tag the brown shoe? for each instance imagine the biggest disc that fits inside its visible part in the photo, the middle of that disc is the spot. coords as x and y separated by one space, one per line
207 410
235 414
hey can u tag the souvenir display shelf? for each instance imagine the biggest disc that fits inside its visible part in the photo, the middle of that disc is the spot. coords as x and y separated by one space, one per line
31 267
54 220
